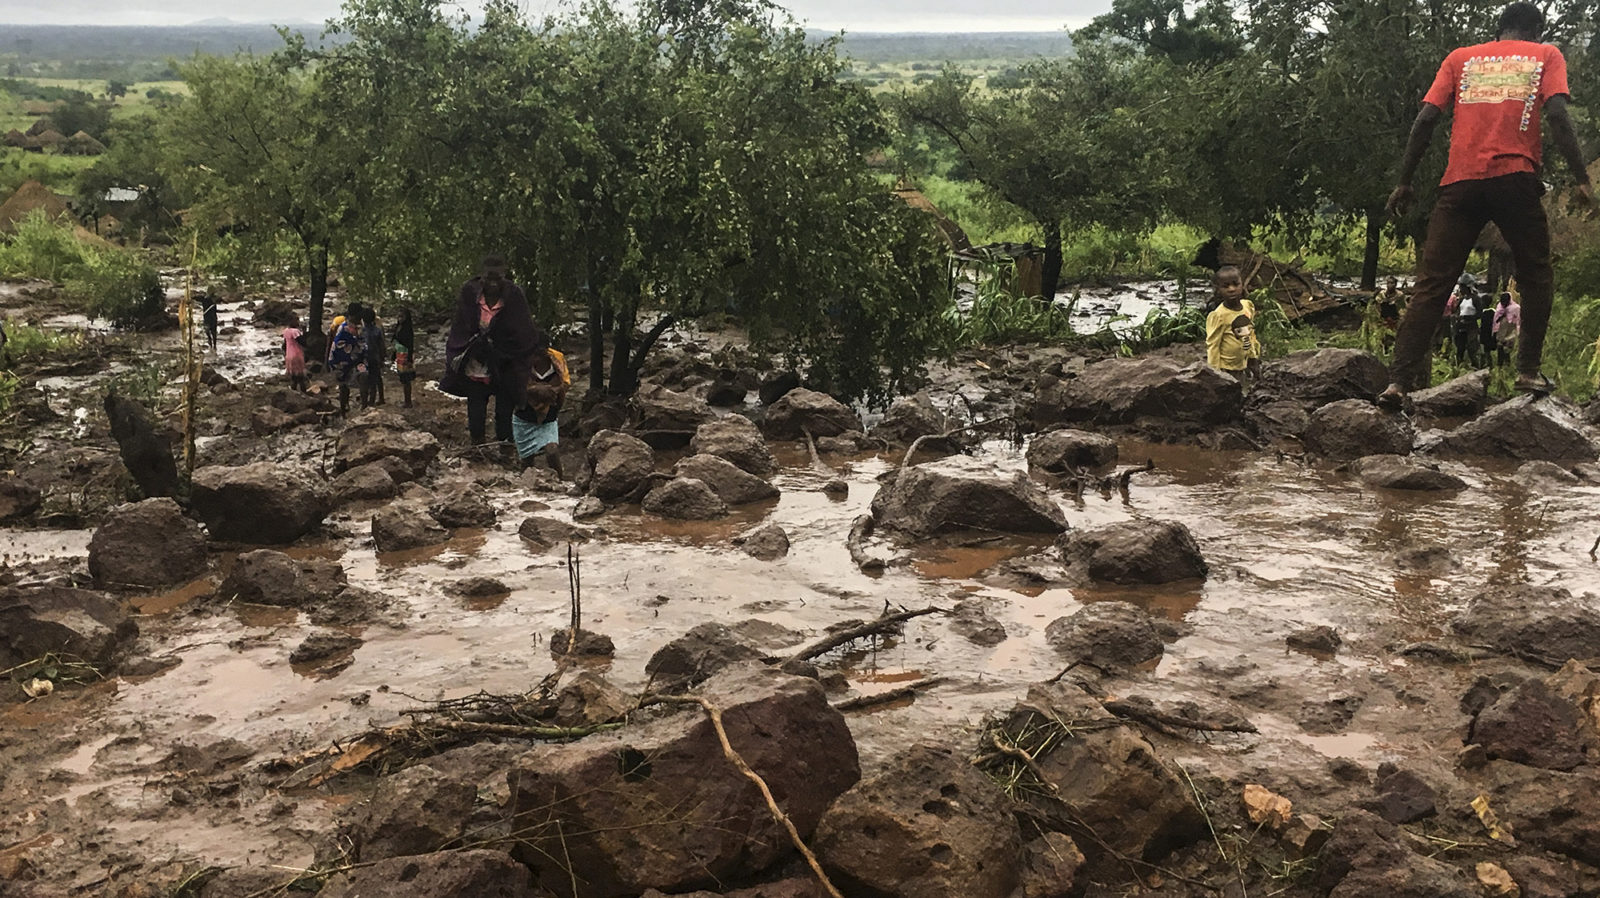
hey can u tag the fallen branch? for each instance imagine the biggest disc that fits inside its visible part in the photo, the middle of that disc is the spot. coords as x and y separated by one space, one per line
917 443
1165 722
1594 549
860 531
887 696
816 459
828 643
520 731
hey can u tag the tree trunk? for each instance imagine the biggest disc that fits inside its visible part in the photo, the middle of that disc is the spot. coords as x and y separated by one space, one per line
597 344
1369 262
624 378
317 265
1051 274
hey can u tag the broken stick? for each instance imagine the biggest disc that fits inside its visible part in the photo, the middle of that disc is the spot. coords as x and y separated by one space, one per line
872 628
889 695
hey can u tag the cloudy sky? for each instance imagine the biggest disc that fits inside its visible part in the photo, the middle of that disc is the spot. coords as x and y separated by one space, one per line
853 15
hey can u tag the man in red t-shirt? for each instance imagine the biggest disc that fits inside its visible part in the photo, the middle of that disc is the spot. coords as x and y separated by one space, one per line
1496 92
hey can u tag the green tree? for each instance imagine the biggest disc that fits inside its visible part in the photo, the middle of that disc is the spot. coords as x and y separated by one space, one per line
115 89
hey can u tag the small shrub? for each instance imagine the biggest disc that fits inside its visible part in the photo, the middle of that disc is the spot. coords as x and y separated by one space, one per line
119 287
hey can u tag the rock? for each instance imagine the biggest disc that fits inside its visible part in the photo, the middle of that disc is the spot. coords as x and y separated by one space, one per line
684 499
322 646
379 434
466 506
1463 397
1109 634
1304 836
405 525
260 503
1526 429
844 444
665 419
910 417
1544 476
588 508
1328 716
564 643
590 700
952 495
415 811
777 385
18 498
368 482
476 873
1132 552
1352 428
801 410
971 620
1496 882
768 543
837 488
1537 621
1153 391
1542 877
1403 797
1531 725
618 464
146 544
146 450
929 826
1278 419
40 620
1050 867
695 656
1068 450
1549 810
276 312
731 484
1397 473
546 532
268 577
266 421
1316 377
609 790
477 588
1322 640
1108 777
738 440
1366 856
727 388
1266 808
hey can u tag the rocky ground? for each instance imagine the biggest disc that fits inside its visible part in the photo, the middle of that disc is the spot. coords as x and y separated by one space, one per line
1139 633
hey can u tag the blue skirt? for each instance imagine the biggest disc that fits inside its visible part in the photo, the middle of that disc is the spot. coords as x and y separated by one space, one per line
530 437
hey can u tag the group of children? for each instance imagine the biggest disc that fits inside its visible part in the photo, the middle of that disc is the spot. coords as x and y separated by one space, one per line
1480 330
357 350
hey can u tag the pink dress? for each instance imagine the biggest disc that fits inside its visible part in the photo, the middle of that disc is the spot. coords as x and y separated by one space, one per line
294 358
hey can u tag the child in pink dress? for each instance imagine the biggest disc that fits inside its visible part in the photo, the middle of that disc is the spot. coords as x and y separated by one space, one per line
294 357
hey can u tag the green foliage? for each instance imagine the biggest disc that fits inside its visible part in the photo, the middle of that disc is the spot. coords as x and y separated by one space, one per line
999 315
1163 328
31 344
143 382
113 284
41 249
18 166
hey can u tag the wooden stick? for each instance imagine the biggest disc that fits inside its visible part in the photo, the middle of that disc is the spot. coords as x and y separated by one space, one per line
516 731
887 696
1162 720
834 640
860 530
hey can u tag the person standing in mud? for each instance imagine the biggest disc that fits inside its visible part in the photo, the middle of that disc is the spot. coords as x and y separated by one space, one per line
376 357
405 338
489 352
537 430
345 353
1507 322
294 357
1496 91
1231 344
208 316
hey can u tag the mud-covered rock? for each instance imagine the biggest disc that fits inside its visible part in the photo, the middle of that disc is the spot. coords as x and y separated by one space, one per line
910 417
737 439
777 385
1132 552
1403 797
477 588
589 700
545 532
261 503
1394 472
1526 429
1326 716
1367 856
1462 397
322 646
609 791
405 525
930 825
1548 809
694 657
1109 778
666 419
729 387
18 498
767 543
1050 867
1316 377
1352 428
1544 476
269 577
379 434
268 420
40 620
1532 621
970 619
732 484
800 411
944 496
684 499
1143 391
1322 640
1532 725
145 448
475 873
1107 634
364 483
415 811
147 543
1067 450
466 506
618 465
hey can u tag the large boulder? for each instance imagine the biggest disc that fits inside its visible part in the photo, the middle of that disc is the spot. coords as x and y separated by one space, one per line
1103 778
380 434
956 494
665 419
1526 429
910 417
146 449
738 440
1069 450
1532 621
415 811
768 542
1112 635
777 385
269 577
697 655
658 806
1316 377
1352 428
463 506
617 465
1147 391
930 825
1132 552
1367 856
37 621
684 499
368 482
731 484
1532 725
1463 397
405 525
1550 810
261 503
474 873
18 498
802 410
147 543
1395 472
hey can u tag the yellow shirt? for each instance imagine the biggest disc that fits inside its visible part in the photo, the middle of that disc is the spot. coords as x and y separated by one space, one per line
1231 347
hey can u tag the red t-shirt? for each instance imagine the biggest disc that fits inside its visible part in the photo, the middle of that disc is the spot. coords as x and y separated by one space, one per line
1497 91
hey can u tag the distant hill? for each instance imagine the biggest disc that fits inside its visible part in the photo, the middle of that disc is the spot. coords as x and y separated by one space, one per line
894 47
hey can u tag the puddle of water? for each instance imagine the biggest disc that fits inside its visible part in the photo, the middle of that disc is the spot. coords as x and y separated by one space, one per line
81 760
163 603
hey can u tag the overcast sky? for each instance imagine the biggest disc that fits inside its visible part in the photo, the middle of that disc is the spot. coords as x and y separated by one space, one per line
852 15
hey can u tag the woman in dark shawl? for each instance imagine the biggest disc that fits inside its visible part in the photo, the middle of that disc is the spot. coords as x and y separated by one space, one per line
490 349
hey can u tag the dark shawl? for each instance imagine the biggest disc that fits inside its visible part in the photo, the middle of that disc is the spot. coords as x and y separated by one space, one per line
511 334
405 335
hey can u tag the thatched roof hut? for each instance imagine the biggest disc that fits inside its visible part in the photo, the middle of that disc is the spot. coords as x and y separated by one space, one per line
43 124
30 196
83 144
50 139
15 138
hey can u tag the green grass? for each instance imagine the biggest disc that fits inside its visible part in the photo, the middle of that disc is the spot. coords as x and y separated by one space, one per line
59 173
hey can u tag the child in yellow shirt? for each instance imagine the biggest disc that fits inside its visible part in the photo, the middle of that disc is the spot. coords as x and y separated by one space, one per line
1231 343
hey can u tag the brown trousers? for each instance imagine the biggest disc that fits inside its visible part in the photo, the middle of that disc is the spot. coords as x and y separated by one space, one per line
1464 207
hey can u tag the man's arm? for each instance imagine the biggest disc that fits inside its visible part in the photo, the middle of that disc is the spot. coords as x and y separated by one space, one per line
1566 140
1421 135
